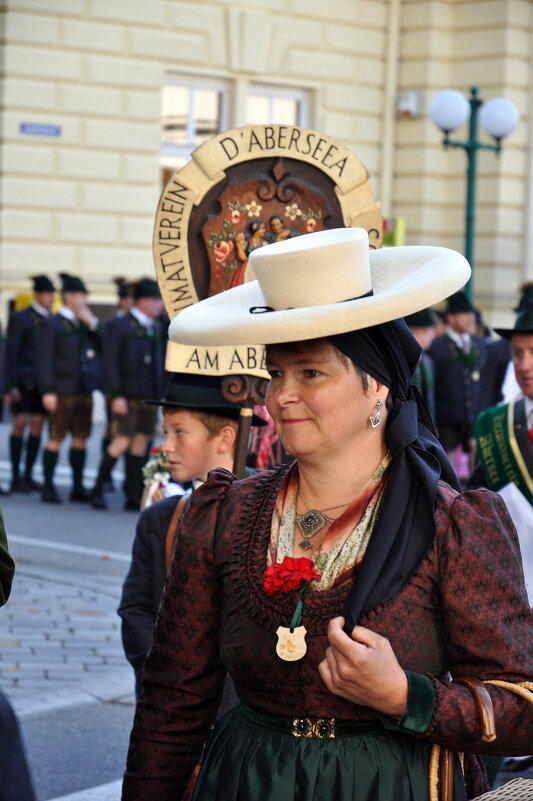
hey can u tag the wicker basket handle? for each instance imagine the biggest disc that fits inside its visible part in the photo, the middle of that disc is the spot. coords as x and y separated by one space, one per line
484 708
441 763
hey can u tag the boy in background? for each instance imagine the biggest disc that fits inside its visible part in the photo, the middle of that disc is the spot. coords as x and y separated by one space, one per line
200 434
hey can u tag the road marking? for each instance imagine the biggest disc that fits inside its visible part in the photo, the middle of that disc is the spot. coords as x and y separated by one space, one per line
105 792
63 546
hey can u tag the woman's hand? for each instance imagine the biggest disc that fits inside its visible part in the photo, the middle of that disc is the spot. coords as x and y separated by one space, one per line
364 669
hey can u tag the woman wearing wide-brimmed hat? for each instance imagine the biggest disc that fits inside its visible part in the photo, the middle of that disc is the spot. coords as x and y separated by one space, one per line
338 591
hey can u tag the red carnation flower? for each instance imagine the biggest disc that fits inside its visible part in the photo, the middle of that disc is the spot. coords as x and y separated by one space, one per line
291 574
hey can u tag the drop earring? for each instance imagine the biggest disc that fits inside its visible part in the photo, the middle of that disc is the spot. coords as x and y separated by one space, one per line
375 419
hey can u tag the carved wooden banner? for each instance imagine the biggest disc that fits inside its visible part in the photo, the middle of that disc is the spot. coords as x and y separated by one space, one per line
241 190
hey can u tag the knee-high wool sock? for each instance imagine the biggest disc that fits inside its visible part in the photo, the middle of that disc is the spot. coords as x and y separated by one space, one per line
32 449
77 463
15 450
49 465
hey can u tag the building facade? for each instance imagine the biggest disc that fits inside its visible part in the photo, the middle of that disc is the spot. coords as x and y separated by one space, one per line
103 98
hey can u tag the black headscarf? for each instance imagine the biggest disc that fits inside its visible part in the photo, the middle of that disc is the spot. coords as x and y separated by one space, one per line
405 529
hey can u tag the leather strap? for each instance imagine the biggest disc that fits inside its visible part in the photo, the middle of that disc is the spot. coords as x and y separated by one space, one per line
172 528
484 708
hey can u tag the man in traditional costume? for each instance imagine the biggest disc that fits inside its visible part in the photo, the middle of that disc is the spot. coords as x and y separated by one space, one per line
68 368
505 442
459 358
22 392
134 356
498 382
504 433
505 451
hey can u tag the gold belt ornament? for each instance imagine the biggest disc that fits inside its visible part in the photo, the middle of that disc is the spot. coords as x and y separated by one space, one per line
323 728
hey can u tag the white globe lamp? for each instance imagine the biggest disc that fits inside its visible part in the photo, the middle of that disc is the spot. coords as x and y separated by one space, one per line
499 117
449 110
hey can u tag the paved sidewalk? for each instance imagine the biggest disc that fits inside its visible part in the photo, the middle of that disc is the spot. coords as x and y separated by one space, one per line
59 631
106 792
59 646
61 659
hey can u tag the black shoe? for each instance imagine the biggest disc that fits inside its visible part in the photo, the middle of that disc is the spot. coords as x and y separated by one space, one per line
97 500
20 486
79 496
132 506
49 495
33 486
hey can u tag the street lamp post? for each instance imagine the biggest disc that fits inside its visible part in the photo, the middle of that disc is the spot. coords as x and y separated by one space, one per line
499 117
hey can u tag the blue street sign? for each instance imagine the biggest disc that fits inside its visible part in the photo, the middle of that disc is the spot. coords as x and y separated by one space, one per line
39 129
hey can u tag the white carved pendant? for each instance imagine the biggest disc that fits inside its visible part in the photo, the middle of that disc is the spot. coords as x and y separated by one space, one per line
291 647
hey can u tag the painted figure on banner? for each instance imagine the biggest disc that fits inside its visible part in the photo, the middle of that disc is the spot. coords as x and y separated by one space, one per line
239 227
278 230
244 244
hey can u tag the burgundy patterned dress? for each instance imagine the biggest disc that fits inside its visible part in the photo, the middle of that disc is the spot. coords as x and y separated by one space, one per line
465 611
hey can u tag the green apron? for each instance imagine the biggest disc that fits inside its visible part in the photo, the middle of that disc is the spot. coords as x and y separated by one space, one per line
250 756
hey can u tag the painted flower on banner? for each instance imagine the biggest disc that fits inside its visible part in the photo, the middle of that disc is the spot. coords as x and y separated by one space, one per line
222 250
253 209
236 211
292 211
310 220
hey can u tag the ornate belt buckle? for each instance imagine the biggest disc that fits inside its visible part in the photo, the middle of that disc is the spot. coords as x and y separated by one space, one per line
302 727
324 728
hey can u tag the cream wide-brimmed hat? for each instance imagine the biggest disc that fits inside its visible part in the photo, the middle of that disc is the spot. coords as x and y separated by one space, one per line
322 284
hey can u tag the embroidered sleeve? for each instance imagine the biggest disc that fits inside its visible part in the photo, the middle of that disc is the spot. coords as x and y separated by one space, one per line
487 623
183 677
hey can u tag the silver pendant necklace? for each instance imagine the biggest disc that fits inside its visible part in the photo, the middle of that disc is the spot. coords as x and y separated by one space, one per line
313 520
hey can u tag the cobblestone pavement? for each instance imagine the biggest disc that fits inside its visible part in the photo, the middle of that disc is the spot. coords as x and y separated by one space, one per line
59 631
61 659
56 637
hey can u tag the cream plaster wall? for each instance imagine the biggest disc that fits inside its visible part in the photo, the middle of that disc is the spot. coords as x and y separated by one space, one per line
484 43
85 202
